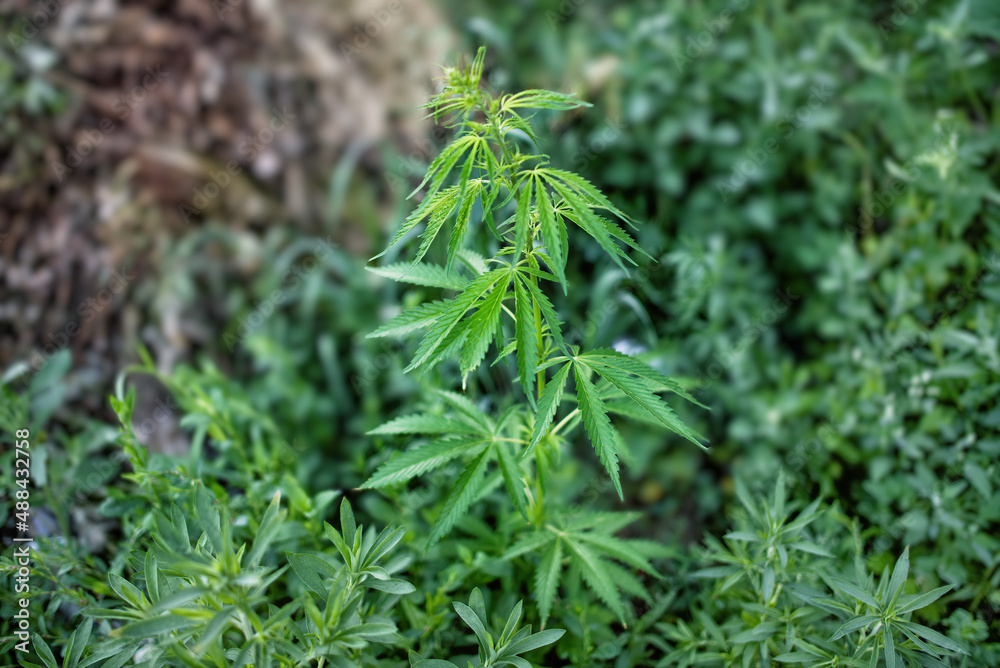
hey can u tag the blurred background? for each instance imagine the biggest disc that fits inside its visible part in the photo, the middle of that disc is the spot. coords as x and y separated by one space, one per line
818 185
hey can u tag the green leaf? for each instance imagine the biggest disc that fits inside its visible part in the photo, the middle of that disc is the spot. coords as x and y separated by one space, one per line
637 389
916 602
551 234
853 625
396 587
548 313
208 516
472 620
596 577
411 320
547 578
442 165
471 192
512 478
899 574
311 569
268 528
77 642
438 334
461 496
890 648
348 526
932 636
522 218
596 422
427 275
43 651
127 591
857 592
548 403
536 640
535 98
580 212
424 424
526 336
433 204
156 626
484 326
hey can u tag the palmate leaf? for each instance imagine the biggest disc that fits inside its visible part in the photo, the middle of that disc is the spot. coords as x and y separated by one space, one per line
605 562
596 576
632 379
435 204
549 314
442 165
581 212
595 420
483 327
438 335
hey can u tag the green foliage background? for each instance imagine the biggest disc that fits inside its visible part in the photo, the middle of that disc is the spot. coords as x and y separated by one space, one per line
817 185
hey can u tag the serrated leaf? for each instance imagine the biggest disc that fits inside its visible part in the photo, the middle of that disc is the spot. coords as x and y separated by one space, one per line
483 327
535 98
595 421
471 191
468 486
548 404
525 336
547 578
636 388
550 228
512 478
522 218
425 274
596 577
419 461
438 334
423 423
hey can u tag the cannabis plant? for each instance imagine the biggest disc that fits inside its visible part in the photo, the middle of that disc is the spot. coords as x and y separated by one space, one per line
532 210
